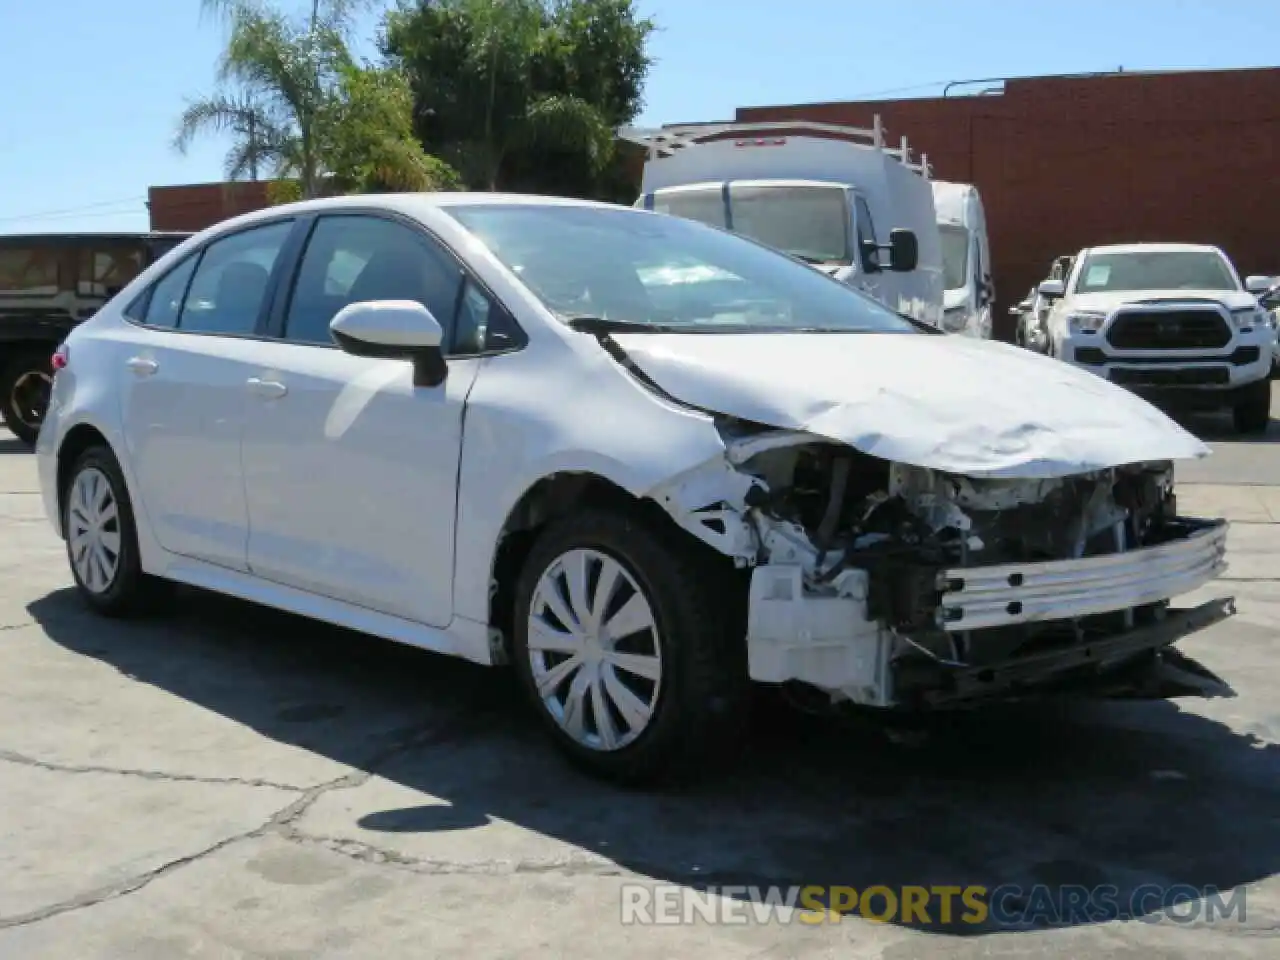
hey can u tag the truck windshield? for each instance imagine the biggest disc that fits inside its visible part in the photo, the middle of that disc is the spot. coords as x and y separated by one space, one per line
808 222
955 255
1156 270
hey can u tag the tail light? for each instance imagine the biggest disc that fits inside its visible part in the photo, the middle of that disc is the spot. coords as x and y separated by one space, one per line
61 357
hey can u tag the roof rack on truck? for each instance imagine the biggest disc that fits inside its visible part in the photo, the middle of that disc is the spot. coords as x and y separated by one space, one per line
664 141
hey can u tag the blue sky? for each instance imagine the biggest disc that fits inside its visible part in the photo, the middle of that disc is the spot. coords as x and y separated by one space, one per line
91 90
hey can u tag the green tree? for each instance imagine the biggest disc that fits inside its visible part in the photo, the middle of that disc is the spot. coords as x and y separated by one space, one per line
313 103
513 92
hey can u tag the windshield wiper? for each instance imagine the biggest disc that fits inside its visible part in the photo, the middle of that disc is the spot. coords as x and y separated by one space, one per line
587 323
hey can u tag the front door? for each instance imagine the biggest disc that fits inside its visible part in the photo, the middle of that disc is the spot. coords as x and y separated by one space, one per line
350 470
183 401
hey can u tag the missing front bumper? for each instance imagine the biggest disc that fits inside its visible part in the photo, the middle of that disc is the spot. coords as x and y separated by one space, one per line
974 598
1129 663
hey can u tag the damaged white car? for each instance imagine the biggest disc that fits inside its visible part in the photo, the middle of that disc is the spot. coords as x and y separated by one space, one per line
642 461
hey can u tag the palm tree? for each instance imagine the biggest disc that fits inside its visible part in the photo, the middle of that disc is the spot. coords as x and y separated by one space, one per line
285 69
257 135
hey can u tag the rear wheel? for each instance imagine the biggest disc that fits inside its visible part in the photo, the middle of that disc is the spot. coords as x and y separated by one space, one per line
25 386
102 537
1253 413
625 641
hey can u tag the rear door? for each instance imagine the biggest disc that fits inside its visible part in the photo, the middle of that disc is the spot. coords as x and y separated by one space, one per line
184 373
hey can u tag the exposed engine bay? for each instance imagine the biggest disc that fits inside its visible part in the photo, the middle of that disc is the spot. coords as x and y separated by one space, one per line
898 586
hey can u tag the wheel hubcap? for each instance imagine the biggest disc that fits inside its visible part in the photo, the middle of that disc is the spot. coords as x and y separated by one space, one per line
29 397
93 530
594 650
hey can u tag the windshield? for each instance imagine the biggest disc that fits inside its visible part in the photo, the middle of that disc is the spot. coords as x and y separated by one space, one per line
628 266
809 222
955 255
1162 270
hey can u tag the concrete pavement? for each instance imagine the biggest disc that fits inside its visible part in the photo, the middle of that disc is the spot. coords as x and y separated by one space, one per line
232 782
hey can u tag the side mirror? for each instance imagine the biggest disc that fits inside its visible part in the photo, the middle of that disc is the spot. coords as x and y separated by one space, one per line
1052 289
904 251
1259 284
393 330
1019 309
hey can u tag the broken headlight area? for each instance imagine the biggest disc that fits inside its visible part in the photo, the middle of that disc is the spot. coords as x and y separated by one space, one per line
892 585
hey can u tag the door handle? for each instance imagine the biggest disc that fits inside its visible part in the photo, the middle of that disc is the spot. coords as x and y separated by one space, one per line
142 366
267 389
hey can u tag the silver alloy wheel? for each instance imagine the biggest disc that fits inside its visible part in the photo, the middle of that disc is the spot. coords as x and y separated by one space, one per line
29 397
594 650
93 530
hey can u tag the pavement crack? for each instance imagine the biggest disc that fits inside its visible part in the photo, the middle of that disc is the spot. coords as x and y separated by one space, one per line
16 626
280 819
9 756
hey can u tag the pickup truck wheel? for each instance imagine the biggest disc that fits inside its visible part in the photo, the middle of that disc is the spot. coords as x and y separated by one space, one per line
25 384
1253 413
623 642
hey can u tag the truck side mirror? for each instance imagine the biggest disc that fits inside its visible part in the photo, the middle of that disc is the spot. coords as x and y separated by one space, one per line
904 251
1052 289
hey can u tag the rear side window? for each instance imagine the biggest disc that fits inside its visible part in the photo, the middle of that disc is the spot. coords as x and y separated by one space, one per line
355 258
165 303
230 285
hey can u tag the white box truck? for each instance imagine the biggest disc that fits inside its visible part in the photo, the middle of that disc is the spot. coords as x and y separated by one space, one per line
837 197
968 290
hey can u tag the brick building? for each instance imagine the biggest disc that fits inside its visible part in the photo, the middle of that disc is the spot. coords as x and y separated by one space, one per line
194 206
1068 162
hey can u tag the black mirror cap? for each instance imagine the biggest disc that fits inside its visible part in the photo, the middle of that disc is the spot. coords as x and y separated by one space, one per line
904 250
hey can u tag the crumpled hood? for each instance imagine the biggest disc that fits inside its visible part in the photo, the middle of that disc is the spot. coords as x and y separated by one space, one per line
1106 302
972 407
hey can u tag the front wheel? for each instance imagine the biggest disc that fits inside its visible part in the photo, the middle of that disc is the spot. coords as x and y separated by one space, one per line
1253 413
25 386
626 642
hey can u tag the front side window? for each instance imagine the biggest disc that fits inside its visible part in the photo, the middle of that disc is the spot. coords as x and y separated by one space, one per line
349 259
808 222
627 266
230 285
1155 270
866 235
955 255
29 271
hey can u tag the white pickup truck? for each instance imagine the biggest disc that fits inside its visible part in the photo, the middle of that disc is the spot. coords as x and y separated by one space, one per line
1172 322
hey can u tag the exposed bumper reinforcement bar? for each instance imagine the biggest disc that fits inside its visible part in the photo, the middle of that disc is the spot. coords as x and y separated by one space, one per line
1012 593
964 685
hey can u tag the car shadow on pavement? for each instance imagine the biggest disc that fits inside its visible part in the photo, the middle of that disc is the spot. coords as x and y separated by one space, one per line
1123 794
1216 427
11 444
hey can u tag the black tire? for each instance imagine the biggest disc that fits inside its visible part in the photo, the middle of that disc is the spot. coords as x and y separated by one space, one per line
1252 415
18 391
699 607
130 592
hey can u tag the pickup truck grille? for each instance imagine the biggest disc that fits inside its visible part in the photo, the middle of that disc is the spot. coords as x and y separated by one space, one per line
1169 330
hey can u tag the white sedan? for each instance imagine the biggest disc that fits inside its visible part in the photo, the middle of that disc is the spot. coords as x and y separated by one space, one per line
641 460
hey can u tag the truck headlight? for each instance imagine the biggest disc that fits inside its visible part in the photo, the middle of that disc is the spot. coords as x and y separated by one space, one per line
1086 321
955 319
1247 317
